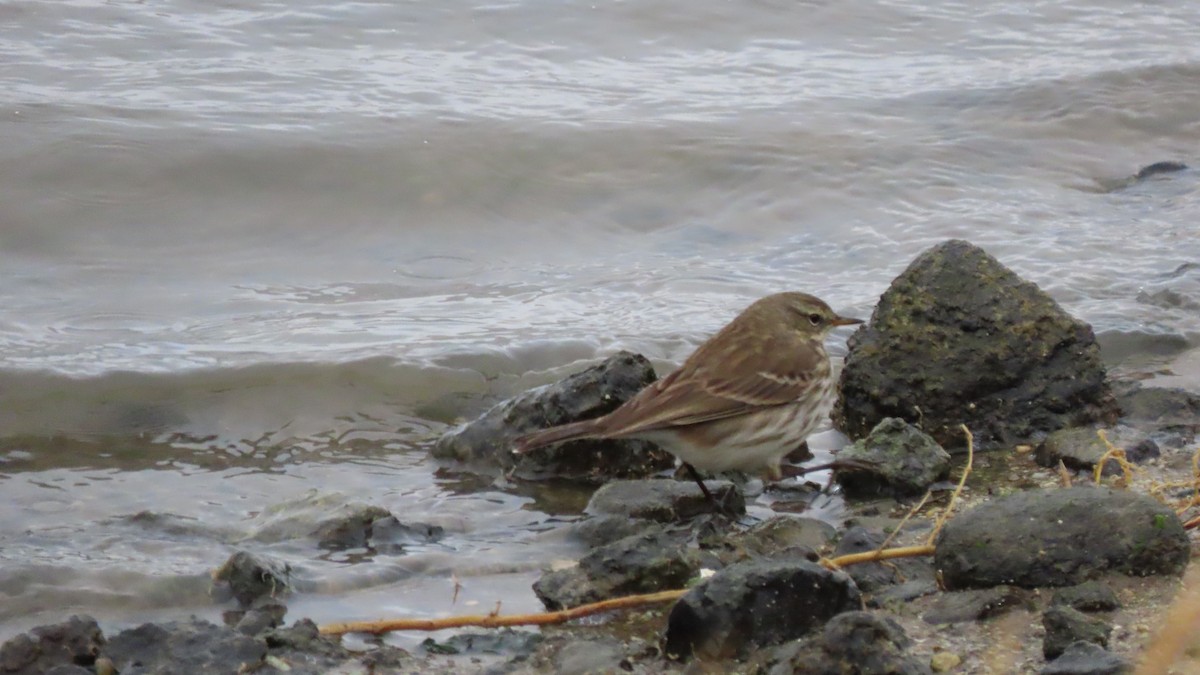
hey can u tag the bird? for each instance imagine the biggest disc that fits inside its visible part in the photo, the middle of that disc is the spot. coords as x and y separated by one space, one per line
744 399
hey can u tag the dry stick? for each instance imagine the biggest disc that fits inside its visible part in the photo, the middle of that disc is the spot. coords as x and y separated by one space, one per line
877 555
941 521
1116 454
1064 476
496 620
900 525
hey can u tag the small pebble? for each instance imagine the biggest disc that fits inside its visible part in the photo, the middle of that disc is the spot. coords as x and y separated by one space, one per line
944 661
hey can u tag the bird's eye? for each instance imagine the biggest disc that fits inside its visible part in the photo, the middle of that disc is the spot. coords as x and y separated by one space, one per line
815 319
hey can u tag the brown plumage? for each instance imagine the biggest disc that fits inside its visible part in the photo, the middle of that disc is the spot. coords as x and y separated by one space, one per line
745 398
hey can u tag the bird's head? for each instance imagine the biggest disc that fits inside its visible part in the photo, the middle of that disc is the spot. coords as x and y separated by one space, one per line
806 313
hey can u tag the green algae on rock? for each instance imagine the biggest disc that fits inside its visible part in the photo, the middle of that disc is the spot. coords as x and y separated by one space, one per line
959 338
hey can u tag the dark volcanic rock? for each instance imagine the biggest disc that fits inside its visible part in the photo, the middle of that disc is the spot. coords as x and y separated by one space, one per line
1060 537
664 500
1090 596
195 645
962 606
1085 658
1065 626
1081 449
73 643
851 642
642 563
249 577
895 459
487 441
960 339
755 604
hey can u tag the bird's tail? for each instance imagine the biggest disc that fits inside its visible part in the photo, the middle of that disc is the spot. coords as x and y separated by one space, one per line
559 434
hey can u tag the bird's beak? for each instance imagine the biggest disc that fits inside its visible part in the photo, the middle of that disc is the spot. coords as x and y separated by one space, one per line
844 321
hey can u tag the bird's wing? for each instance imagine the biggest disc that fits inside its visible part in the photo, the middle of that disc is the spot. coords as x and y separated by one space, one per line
765 374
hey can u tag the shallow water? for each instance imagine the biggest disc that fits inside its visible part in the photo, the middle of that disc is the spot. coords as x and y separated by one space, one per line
254 257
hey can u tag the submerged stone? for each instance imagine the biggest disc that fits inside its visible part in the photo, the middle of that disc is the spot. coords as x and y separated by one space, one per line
664 500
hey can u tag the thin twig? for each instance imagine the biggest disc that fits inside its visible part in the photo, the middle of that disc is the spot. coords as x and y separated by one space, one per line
1064 476
941 521
907 516
1116 454
875 556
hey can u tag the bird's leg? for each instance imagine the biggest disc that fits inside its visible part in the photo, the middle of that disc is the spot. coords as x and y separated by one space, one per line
718 506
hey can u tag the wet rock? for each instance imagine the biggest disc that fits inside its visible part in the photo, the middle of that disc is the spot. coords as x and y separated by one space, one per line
1081 449
1173 411
73 643
307 652
1169 298
874 576
1085 658
204 648
257 619
963 606
1065 626
1159 168
393 536
893 597
1090 596
664 500
487 441
584 657
249 578
895 459
506 641
67 670
350 530
851 642
960 339
605 529
642 563
373 527
756 604
1060 537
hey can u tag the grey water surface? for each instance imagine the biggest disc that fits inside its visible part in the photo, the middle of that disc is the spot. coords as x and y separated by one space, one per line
254 256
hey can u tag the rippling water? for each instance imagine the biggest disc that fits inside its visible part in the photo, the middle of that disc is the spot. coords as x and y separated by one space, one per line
257 255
